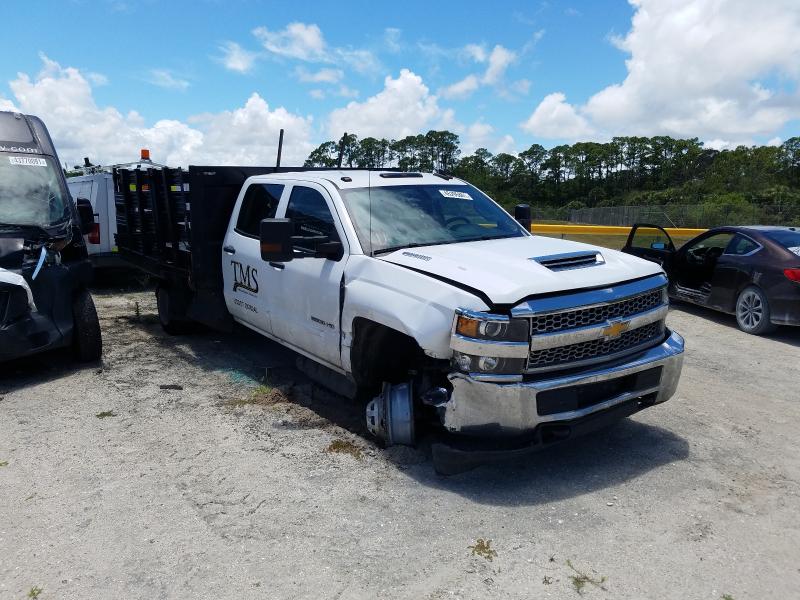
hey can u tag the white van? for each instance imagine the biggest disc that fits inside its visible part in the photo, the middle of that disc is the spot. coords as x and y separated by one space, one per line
98 188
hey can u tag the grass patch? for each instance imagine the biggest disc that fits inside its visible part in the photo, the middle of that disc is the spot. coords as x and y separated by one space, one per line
105 414
35 591
3 463
727 597
340 446
581 579
263 395
483 548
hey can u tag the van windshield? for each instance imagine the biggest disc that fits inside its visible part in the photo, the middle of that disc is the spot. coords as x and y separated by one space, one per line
388 218
30 191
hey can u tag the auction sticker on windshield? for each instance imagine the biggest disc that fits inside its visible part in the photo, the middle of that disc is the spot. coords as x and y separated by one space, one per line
27 161
453 194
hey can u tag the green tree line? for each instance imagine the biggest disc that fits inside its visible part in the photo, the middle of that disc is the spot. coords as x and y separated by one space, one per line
626 171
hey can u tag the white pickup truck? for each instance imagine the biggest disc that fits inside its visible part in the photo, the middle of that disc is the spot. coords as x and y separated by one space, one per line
431 299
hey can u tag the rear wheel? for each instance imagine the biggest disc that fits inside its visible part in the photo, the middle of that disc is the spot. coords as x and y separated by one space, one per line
752 311
172 320
86 337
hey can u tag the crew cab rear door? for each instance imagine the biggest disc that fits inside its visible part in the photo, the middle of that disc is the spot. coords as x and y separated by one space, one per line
650 242
247 294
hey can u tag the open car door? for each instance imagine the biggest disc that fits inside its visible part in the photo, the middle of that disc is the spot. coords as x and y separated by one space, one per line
651 242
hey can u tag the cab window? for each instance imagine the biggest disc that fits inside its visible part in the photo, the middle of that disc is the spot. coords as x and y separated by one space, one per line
260 202
311 216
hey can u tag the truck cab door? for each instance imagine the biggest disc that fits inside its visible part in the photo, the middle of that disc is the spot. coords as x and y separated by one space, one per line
652 243
307 290
246 295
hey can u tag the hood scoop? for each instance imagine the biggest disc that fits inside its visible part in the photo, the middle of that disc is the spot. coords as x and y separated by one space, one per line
570 260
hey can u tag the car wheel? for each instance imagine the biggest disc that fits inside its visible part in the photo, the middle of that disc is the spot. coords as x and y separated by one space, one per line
752 312
170 322
86 337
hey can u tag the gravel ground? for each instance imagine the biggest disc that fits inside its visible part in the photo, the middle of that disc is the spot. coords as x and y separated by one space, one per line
171 471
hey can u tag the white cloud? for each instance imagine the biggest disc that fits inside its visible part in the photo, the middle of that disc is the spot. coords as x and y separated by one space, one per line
497 62
297 40
723 70
321 76
556 118
317 94
6 104
165 79
63 97
302 41
391 39
482 135
461 89
404 107
346 92
97 79
521 86
236 58
476 52
477 135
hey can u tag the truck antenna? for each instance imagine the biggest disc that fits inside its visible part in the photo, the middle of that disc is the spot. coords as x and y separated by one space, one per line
280 148
341 151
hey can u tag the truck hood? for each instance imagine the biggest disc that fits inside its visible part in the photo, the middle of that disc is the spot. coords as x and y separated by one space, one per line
506 270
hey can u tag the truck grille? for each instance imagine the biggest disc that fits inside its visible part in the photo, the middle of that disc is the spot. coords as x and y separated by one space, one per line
583 317
596 349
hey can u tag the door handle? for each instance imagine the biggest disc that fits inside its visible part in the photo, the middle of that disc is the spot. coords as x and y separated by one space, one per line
279 266
229 249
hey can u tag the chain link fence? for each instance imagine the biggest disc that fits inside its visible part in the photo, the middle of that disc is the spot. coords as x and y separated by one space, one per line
700 216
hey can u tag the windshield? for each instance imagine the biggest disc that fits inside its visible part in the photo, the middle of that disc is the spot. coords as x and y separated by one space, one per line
404 216
30 191
788 238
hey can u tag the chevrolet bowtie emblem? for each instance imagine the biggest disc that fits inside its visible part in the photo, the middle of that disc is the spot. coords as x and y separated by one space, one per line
616 329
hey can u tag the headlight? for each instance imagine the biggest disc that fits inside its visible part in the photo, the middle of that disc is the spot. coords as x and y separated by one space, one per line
492 327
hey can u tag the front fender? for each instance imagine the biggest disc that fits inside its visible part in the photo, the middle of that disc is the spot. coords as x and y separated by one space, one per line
408 301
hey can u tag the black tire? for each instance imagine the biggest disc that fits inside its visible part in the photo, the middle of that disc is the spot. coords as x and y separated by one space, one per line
169 317
752 311
87 340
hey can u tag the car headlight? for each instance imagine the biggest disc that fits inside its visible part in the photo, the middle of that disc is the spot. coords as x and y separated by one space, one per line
492 327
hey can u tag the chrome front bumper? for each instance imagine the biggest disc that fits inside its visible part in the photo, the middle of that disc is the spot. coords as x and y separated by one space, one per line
508 409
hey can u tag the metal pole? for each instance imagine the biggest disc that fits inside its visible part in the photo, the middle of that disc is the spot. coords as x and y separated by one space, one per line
280 149
341 150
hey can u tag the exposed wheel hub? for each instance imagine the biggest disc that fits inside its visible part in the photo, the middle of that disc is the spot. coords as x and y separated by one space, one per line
390 416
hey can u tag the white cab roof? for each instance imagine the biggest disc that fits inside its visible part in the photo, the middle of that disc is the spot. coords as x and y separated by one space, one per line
361 178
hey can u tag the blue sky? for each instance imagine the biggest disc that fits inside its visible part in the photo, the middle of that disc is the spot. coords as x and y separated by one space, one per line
560 72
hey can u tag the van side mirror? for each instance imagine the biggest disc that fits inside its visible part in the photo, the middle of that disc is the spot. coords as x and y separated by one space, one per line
276 240
522 214
85 215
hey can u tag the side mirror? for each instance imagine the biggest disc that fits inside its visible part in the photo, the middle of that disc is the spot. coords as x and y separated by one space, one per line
85 215
276 240
522 213
331 250
658 246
